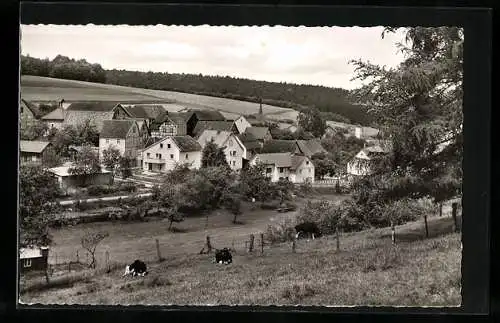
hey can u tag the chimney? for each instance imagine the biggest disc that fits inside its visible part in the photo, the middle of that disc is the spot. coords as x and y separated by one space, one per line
260 107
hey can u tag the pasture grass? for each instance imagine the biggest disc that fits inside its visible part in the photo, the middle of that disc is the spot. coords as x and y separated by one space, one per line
367 270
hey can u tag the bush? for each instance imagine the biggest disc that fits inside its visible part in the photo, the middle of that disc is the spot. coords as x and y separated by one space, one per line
283 231
97 190
128 187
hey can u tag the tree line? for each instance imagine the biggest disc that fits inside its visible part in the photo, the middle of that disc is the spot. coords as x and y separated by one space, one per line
332 101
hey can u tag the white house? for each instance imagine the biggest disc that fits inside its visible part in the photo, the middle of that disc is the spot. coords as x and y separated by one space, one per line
68 182
163 155
55 119
362 164
235 150
124 135
295 168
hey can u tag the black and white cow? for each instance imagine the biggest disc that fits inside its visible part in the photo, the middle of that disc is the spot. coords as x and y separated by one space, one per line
137 268
223 256
307 228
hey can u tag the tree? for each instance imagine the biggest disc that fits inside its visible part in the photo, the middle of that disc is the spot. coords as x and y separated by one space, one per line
90 241
125 166
32 129
419 106
255 184
64 138
231 199
86 164
50 158
312 121
213 156
324 164
37 191
111 158
87 133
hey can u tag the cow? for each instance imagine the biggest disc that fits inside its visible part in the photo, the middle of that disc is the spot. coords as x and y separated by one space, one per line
223 256
137 268
307 227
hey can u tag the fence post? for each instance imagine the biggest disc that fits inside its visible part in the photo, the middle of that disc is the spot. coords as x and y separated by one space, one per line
158 253
454 206
232 246
337 237
250 247
262 243
207 245
77 257
293 243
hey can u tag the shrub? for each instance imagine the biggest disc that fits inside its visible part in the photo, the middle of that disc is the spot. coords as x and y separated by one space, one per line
97 190
128 187
283 231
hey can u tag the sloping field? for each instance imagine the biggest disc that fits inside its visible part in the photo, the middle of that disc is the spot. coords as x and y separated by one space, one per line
366 271
38 88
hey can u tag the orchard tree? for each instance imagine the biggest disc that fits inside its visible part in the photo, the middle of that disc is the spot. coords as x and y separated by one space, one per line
311 120
111 158
255 183
86 164
418 105
90 241
213 156
324 164
125 166
37 191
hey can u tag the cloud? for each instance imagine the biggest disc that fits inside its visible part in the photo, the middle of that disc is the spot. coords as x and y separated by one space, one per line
313 55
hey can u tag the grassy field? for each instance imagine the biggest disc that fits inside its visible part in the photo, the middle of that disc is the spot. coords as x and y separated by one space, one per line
367 270
38 88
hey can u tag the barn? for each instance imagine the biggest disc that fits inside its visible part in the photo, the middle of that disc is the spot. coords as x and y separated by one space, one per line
33 259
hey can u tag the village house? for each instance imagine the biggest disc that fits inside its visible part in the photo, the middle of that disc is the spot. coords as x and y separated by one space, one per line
33 151
33 259
262 134
214 125
362 164
299 147
69 183
163 155
78 112
252 146
123 135
241 124
29 113
196 116
55 118
281 166
234 149
146 112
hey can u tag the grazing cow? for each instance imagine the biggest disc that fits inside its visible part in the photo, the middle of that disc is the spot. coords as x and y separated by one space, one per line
307 227
223 256
137 268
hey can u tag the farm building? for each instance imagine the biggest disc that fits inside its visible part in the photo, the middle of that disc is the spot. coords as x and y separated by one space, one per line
163 155
295 168
262 134
234 149
214 125
241 123
164 126
78 112
55 119
310 147
196 116
33 259
69 182
125 135
33 151
280 146
28 111
147 112
252 146
362 164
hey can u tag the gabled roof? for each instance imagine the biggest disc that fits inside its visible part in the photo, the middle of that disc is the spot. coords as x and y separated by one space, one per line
218 137
186 143
258 132
116 128
310 147
249 141
145 111
57 114
96 106
297 160
212 125
278 159
32 252
33 146
208 115
279 146
97 117
33 108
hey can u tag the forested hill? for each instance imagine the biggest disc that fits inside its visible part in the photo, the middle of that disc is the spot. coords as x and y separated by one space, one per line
332 101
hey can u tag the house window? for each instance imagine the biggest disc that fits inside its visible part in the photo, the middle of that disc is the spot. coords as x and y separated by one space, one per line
300 171
147 154
168 146
309 170
159 156
161 145
269 170
27 263
187 156
281 169
234 152
234 163
307 162
118 141
171 156
107 141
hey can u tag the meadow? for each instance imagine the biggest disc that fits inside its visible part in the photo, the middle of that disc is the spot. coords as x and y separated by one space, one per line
367 270
36 88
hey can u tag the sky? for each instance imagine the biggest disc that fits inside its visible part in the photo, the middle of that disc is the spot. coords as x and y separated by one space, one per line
302 55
